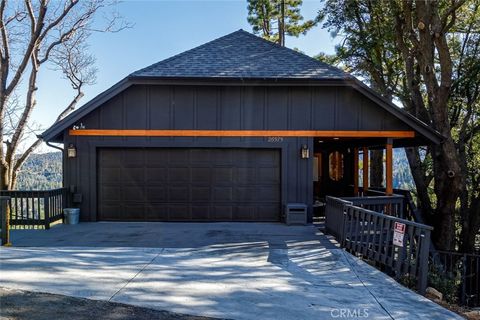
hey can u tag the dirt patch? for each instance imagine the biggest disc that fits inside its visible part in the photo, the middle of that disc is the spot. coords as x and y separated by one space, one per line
19 305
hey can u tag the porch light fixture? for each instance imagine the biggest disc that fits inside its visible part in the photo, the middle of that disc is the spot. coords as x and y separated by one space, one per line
305 153
71 151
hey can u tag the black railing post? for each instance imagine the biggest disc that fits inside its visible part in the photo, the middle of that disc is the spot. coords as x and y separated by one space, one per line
423 262
5 235
344 223
46 204
463 289
65 200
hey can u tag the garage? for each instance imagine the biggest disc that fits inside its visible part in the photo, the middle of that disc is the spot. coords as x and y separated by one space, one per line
188 184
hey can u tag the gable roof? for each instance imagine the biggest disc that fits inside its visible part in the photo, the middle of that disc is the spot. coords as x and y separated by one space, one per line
242 55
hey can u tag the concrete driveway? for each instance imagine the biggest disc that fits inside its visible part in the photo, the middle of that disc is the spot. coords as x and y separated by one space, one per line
225 270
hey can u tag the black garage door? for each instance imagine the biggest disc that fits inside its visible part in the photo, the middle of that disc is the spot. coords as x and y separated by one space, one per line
175 184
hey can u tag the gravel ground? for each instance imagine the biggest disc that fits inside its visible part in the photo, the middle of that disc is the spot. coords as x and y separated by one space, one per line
19 305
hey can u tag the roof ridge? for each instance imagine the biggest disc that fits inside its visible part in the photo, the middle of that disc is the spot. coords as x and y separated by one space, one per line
269 49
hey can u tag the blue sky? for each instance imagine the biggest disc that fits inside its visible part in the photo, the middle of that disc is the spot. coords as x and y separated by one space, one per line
160 30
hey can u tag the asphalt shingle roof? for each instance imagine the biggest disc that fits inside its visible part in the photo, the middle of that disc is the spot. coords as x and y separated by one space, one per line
242 55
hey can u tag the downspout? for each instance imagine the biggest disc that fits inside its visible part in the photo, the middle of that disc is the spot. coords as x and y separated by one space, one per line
66 204
51 145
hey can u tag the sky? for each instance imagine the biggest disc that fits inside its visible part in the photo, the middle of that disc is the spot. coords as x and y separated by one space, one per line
159 30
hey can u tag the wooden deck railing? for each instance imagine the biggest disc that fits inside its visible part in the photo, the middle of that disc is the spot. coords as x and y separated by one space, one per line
335 217
410 210
391 205
370 234
35 208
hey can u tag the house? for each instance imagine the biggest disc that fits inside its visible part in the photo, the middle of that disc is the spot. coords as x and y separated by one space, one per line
231 130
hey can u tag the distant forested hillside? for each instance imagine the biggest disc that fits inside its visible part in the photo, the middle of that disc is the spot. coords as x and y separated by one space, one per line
41 171
402 176
44 171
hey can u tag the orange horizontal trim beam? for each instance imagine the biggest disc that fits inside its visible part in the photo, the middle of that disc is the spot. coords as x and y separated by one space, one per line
242 133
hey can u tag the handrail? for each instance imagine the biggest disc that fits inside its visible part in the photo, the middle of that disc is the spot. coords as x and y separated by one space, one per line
391 205
370 234
36 208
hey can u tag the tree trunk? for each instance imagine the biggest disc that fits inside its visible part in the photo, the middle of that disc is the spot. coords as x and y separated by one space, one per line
4 178
376 168
449 183
418 174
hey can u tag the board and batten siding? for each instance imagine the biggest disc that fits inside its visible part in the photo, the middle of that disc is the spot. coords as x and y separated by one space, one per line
185 107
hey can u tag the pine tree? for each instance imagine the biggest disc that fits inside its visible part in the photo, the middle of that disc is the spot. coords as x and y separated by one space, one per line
274 19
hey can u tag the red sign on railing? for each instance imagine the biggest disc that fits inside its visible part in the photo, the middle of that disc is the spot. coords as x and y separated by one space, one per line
398 233
400 227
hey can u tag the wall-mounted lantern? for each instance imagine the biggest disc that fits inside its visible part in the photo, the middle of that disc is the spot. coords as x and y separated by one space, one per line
71 151
305 153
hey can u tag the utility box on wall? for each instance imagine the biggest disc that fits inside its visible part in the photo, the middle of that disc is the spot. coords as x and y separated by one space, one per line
296 213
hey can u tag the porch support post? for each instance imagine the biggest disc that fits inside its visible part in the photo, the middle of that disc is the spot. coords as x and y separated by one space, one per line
355 172
389 168
365 170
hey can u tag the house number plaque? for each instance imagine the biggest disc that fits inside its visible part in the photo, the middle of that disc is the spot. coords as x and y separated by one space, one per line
275 139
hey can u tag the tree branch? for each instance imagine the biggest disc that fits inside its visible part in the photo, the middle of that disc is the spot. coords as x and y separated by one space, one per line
37 24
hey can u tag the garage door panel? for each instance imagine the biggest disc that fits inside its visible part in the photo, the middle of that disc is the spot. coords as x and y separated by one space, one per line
156 194
113 160
110 175
201 212
201 194
180 193
245 213
134 211
245 175
156 158
268 212
111 193
245 194
222 194
179 174
222 156
156 175
189 184
110 210
199 156
222 175
179 212
133 175
178 156
133 158
222 212
202 175
156 212
133 193
267 194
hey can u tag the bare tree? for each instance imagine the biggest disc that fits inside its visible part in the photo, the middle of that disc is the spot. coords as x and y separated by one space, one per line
34 34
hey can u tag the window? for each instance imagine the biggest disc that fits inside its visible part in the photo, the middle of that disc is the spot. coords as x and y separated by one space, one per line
335 162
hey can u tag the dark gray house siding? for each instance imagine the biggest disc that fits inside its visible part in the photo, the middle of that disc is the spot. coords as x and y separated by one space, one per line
222 108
